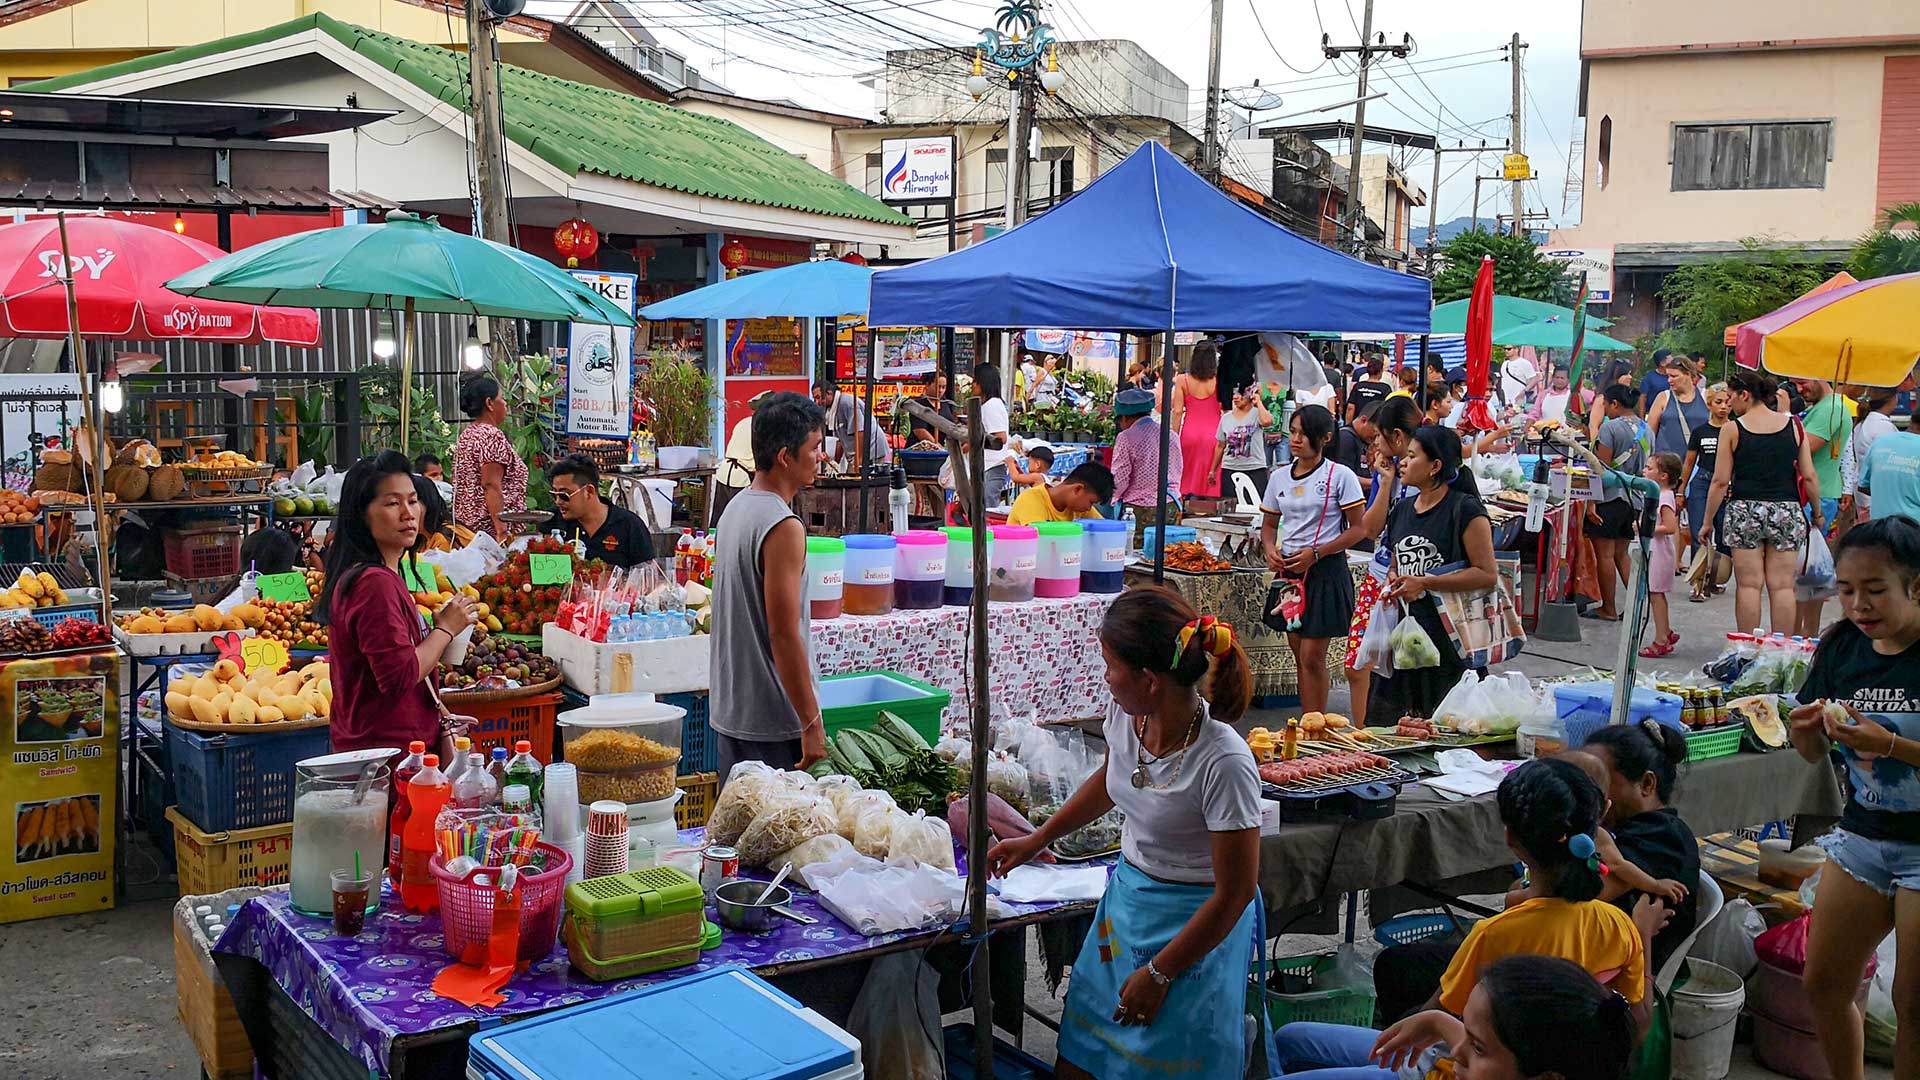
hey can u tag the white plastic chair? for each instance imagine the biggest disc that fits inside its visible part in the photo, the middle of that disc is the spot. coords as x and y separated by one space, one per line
1249 499
1708 902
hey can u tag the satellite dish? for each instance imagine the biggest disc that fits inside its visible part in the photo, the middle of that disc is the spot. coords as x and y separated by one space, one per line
505 9
1254 98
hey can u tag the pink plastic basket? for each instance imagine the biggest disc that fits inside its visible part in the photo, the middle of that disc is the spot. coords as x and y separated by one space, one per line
466 909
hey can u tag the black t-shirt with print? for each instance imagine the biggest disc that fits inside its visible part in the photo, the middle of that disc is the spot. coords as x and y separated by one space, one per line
1884 802
1365 392
1661 844
1705 444
623 539
1423 542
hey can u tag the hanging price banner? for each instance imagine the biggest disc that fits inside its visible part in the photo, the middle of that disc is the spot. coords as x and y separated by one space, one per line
547 569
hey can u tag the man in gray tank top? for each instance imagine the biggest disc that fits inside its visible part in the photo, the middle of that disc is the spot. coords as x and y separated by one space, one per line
763 704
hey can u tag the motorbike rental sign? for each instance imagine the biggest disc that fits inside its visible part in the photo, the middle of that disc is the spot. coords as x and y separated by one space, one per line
600 363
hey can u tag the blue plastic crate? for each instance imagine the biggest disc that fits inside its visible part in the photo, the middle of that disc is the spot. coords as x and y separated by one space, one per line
699 746
1407 929
228 782
54 616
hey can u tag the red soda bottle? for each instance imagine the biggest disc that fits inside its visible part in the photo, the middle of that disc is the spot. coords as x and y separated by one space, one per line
397 825
427 792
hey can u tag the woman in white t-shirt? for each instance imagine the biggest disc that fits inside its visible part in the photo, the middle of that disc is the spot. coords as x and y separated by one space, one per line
994 421
1242 445
1311 517
1170 940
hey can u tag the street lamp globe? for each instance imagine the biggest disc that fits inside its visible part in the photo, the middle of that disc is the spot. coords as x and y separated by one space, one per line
1052 79
977 85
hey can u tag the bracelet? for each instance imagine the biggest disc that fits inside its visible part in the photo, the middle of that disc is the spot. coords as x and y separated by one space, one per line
1158 979
1893 742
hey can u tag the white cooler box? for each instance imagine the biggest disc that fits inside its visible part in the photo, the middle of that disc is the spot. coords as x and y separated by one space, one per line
727 1024
663 666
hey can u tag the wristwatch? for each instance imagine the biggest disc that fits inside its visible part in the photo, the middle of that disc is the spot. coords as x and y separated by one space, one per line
1158 979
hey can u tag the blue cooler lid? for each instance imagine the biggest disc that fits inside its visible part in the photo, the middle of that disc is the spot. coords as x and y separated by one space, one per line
727 1024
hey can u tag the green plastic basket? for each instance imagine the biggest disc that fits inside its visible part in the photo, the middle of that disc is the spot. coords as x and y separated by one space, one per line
1718 742
867 693
1351 1006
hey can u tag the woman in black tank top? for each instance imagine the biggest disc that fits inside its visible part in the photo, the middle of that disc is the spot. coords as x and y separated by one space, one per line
1761 467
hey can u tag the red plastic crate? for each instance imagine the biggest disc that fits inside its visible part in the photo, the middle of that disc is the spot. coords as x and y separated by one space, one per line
203 551
505 722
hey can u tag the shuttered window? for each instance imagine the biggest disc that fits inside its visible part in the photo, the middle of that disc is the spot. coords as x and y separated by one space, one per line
1733 157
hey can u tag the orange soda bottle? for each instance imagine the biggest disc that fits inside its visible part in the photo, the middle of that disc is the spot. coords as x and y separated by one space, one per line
427 792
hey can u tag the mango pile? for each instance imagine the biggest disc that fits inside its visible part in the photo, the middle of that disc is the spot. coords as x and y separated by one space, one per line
225 695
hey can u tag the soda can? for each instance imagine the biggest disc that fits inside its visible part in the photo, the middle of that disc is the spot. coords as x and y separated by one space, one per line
717 865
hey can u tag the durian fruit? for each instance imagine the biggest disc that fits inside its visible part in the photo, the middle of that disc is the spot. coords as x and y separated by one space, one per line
166 482
57 472
128 482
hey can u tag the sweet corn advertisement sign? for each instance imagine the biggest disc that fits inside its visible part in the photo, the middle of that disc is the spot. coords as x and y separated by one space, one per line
59 783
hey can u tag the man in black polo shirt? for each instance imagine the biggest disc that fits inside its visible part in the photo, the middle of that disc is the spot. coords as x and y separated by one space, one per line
612 533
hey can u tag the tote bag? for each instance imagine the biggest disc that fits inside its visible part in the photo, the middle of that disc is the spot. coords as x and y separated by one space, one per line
1484 624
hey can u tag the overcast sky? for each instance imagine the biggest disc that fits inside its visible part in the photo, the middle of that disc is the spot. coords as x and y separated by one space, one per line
812 51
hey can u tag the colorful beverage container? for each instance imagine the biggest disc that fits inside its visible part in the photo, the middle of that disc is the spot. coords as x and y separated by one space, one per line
1057 570
959 583
867 587
826 568
1103 555
1013 562
919 569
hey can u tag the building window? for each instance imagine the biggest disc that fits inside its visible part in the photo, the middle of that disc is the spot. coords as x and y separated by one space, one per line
1764 156
1604 156
1049 180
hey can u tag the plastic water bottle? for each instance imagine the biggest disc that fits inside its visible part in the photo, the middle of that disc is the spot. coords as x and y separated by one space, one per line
462 747
475 790
427 792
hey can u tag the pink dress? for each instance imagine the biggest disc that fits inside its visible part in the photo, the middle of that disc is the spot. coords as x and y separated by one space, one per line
1199 433
1661 555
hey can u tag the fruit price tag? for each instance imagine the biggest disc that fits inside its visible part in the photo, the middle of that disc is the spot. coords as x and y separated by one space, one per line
263 654
290 587
547 569
417 575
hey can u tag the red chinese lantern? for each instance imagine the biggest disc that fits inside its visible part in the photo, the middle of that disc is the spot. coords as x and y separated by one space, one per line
733 256
576 240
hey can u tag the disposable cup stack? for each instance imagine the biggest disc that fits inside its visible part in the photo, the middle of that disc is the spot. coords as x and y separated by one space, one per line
562 801
576 849
606 839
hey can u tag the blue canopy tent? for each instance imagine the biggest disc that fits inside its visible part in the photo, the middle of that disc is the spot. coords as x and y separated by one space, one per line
1151 247
821 290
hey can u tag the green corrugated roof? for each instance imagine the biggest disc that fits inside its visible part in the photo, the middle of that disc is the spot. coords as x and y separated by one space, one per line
575 127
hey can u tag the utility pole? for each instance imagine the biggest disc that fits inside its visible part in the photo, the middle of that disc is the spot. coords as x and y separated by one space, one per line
1433 196
1519 147
490 156
1356 211
1210 154
1019 136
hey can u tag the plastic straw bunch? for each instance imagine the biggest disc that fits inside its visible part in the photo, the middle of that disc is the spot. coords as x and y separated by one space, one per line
490 846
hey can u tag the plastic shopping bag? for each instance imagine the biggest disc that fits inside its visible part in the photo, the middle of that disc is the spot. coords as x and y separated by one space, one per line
896 1017
1728 939
1815 578
1412 646
1374 653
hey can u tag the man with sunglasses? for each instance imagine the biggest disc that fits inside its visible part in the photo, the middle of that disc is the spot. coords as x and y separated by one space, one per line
612 533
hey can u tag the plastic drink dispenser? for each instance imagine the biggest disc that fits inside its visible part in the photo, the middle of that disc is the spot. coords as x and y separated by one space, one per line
959 584
919 569
336 824
1103 555
826 568
1061 553
868 585
1013 562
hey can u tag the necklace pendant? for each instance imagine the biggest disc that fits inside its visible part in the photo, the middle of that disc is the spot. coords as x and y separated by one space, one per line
1139 778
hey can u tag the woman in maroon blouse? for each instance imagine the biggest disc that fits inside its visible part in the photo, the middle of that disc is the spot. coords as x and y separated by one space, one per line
383 655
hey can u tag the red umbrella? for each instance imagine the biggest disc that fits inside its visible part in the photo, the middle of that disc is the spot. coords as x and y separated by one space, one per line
1479 349
118 268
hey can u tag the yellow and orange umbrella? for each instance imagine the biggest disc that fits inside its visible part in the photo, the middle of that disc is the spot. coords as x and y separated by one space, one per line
1866 333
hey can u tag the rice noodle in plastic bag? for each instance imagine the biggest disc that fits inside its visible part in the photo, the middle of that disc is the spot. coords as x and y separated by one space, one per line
740 801
820 849
847 808
920 841
786 820
873 830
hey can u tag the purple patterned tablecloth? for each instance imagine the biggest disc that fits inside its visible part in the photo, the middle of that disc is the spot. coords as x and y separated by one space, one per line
367 991
1045 654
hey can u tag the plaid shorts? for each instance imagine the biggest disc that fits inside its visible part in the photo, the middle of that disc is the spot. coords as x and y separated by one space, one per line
1751 523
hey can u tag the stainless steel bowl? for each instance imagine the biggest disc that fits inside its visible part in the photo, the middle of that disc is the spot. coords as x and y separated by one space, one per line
734 900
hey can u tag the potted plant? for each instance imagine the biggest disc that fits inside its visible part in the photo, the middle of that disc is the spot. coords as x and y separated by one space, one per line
679 395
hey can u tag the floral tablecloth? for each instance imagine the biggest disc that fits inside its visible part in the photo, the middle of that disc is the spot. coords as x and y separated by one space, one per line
1045 654
369 990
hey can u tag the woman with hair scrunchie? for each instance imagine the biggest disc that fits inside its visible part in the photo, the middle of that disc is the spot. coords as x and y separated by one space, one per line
1170 940
489 478
1550 809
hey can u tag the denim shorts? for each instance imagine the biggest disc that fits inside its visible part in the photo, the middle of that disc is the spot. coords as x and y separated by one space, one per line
1880 865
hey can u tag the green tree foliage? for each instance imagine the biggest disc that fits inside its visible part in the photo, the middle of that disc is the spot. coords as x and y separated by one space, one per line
1885 252
1518 268
1704 298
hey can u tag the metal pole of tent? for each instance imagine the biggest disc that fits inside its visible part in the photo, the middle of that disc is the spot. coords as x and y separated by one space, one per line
1166 451
977 838
861 452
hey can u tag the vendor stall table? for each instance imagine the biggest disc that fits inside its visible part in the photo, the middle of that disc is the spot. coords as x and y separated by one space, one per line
373 995
624 479
1238 597
1046 654
1431 839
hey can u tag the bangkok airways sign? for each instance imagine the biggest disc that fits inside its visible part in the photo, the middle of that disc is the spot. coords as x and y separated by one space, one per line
916 170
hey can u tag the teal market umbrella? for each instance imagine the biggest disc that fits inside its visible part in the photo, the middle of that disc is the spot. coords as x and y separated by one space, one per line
407 263
1508 311
1556 335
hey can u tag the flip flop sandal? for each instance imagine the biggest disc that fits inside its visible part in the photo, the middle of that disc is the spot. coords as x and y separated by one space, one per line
1673 638
1597 617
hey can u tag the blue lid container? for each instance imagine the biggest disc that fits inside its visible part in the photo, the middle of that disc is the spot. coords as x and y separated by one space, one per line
1104 549
727 1024
1586 707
